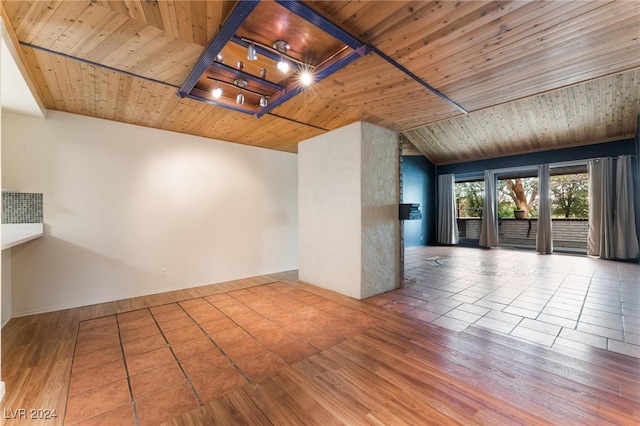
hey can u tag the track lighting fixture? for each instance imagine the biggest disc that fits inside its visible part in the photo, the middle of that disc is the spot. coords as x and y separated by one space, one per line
252 54
261 38
261 88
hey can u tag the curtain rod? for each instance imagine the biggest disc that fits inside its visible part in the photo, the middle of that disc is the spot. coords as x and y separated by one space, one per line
551 165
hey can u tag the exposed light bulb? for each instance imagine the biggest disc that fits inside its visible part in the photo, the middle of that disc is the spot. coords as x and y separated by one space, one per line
240 99
306 78
217 92
219 58
283 66
263 101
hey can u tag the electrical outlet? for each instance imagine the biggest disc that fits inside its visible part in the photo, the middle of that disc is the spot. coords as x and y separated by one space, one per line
163 273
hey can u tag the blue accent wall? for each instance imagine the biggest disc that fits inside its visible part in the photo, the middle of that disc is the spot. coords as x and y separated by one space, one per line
473 168
419 186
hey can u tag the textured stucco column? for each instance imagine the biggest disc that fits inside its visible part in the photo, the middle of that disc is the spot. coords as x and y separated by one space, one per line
348 210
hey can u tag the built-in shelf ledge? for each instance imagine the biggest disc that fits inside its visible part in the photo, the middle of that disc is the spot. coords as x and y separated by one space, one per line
18 233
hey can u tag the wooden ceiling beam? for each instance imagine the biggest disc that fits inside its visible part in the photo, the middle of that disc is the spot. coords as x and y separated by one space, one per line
9 37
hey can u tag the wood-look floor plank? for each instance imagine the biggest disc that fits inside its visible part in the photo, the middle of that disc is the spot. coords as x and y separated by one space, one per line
432 392
584 374
382 399
236 408
277 404
39 387
434 381
314 410
495 369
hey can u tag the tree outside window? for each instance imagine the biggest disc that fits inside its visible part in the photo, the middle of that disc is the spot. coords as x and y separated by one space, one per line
570 196
469 198
518 194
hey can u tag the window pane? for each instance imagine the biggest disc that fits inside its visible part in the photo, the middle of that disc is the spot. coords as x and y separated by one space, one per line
469 199
569 196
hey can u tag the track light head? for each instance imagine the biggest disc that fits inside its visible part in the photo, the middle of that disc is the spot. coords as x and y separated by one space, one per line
241 83
252 54
282 47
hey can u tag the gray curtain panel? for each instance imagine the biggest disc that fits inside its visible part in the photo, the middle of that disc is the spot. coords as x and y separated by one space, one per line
624 222
601 192
544 238
489 229
447 225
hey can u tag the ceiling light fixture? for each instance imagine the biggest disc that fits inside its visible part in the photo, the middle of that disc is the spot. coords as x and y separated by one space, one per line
282 47
217 92
252 54
265 28
219 58
263 101
241 83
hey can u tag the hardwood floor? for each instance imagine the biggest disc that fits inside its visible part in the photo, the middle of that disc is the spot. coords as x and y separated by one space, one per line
307 356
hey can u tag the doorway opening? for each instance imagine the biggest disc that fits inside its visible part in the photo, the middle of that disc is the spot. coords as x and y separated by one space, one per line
517 208
518 198
469 207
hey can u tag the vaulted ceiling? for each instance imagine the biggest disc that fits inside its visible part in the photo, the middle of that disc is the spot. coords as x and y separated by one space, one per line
532 75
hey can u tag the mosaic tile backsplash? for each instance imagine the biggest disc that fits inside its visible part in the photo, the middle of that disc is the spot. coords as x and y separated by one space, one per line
21 207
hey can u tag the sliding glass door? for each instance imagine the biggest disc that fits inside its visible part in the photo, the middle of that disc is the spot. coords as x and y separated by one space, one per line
469 201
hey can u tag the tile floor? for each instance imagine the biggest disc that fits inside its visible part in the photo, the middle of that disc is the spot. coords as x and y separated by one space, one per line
552 300
150 365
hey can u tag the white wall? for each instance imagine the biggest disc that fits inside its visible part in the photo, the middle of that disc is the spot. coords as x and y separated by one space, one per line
123 202
348 210
329 209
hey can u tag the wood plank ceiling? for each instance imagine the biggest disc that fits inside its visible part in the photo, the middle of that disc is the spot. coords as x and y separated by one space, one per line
533 75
